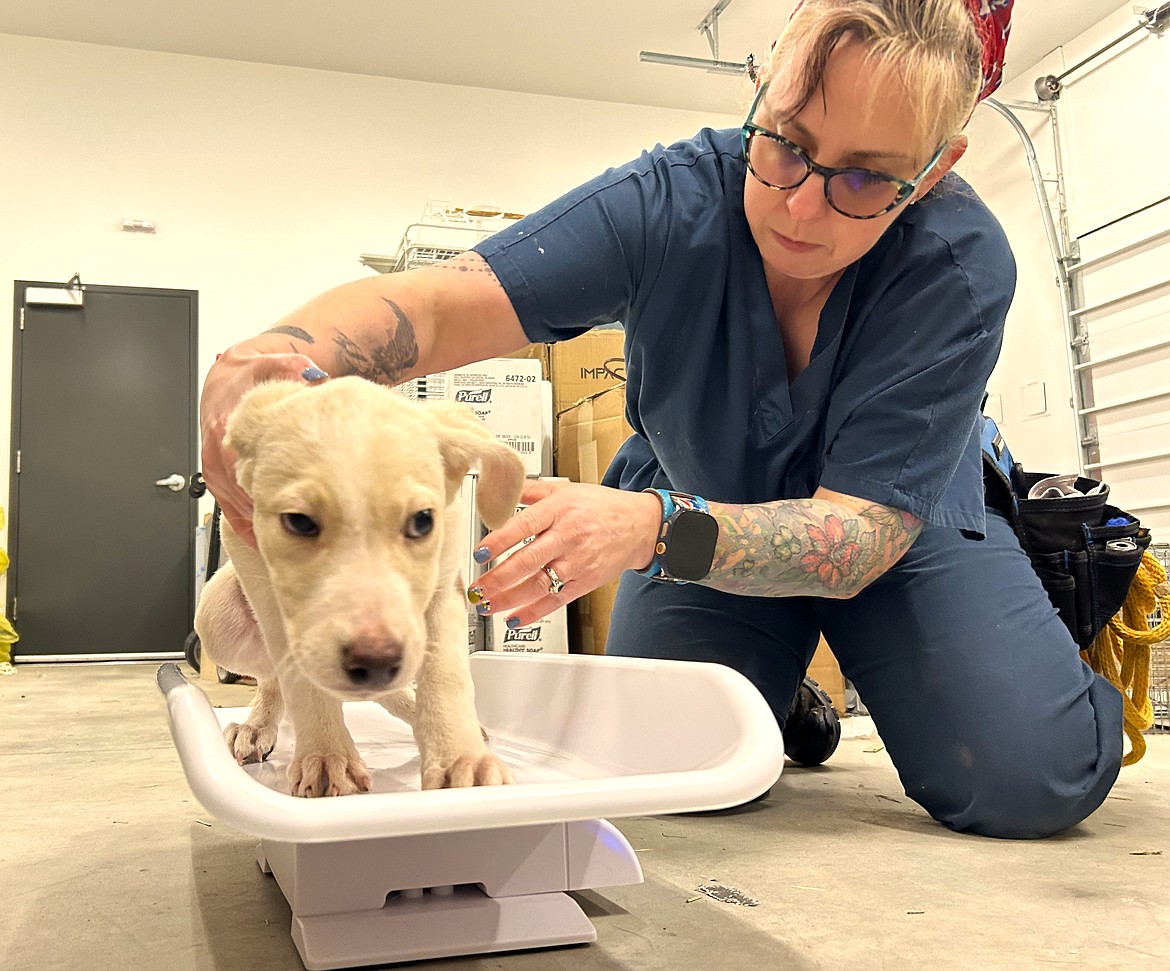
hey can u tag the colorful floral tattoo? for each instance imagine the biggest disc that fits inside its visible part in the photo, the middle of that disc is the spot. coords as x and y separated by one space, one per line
807 547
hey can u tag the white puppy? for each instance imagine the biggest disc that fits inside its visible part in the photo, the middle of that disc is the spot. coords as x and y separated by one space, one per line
355 590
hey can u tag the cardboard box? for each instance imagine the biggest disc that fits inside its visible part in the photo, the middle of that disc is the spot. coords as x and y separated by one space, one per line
585 365
588 436
826 672
505 393
578 368
589 619
536 352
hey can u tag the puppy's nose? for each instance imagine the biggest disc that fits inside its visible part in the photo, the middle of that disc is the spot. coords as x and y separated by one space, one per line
371 663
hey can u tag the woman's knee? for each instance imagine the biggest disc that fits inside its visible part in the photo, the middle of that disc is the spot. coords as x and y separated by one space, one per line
1033 810
1034 786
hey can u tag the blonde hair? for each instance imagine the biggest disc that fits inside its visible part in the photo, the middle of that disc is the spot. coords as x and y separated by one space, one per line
931 48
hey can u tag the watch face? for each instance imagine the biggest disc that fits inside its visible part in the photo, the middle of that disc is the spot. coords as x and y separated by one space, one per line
690 546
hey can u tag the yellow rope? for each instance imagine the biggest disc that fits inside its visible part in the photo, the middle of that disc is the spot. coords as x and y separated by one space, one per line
1121 652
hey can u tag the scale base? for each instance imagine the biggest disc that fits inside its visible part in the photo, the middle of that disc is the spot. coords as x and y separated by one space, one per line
465 922
412 898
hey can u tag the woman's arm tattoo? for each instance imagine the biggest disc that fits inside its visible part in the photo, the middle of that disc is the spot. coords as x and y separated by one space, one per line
289 331
807 547
384 363
460 267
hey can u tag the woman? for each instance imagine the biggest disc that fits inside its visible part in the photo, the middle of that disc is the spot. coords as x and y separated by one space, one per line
811 316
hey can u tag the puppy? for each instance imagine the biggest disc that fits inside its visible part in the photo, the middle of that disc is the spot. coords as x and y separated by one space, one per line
355 589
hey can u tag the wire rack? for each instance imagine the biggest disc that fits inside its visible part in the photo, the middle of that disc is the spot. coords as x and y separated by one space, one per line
1160 657
443 232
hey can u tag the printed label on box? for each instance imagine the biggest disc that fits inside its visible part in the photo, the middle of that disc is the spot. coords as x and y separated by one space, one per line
549 635
504 392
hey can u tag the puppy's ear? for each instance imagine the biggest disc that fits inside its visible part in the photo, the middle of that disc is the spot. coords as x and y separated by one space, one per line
465 443
247 423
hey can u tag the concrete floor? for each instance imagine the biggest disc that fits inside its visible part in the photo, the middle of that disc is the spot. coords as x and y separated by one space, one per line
105 865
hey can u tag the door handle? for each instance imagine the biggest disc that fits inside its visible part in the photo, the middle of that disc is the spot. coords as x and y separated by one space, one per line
174 482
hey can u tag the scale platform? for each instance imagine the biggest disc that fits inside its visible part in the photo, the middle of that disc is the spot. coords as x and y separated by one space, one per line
400 874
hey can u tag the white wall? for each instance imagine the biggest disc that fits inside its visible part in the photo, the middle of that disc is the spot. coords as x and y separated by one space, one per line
266 183
1115 141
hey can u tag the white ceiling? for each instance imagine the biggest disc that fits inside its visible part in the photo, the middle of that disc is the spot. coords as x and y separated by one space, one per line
575 49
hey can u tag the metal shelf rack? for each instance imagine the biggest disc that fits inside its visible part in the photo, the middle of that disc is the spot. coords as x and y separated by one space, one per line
443 232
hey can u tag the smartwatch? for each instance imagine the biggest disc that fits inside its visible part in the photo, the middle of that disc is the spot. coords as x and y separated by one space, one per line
685 547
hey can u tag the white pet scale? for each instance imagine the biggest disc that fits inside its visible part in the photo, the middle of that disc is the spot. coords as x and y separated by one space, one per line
399 874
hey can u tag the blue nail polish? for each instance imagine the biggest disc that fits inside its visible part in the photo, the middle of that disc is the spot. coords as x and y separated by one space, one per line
512 623
481 555
313 374
483 609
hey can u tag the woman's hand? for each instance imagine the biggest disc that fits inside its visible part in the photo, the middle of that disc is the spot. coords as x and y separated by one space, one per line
236 371
585 535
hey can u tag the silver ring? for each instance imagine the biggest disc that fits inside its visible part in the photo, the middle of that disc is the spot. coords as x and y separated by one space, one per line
555 583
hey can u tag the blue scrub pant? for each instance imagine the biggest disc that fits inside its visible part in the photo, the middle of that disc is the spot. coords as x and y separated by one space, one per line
992 720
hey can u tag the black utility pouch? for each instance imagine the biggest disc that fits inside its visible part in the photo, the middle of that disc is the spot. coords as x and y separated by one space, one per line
1085 551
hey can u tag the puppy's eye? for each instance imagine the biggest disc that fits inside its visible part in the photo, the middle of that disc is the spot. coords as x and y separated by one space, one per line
420 524
298 524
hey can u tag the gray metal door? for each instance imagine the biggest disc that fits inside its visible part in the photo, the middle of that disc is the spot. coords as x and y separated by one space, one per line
104 408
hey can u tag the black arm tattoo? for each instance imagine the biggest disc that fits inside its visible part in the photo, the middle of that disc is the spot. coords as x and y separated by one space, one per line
297 332
387 362
807 547
469 268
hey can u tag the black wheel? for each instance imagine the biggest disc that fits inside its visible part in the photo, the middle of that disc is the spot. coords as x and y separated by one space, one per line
192 651
813 728
226 677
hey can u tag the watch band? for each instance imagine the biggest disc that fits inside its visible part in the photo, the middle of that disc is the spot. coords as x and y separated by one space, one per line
672 503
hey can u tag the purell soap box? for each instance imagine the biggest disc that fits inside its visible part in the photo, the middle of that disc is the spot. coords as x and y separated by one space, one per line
506 394
470 533
549 635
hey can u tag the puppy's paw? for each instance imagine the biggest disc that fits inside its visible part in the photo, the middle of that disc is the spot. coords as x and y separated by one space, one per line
333 774
249 743
479 769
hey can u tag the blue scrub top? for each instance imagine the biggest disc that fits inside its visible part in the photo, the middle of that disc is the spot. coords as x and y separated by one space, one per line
888 407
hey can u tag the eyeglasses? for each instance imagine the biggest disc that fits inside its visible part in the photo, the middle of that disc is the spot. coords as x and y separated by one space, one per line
857 193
